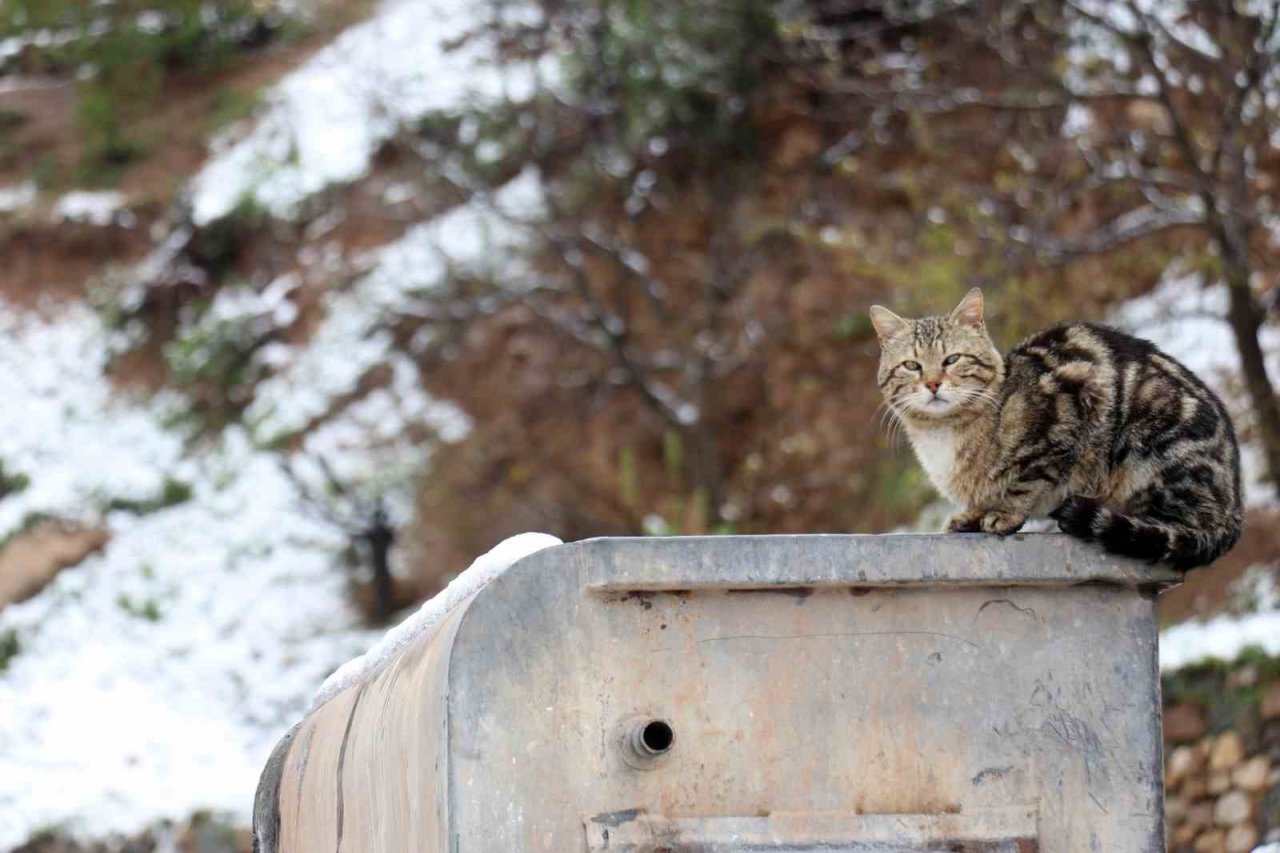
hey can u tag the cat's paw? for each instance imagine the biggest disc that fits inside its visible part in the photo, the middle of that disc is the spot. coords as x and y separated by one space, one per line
965 521
1002 523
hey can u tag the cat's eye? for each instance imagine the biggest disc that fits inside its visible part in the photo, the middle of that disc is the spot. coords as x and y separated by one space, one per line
950 360
911 365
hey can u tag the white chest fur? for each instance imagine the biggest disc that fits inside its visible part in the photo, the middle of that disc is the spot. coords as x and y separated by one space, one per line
936 450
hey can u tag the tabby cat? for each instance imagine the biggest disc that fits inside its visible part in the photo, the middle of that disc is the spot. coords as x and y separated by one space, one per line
1113 439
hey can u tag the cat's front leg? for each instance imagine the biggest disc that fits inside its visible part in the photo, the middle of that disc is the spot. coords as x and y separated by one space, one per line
966 521
986 521
1002 523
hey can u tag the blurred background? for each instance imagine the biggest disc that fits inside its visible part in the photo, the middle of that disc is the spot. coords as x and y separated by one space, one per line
305 303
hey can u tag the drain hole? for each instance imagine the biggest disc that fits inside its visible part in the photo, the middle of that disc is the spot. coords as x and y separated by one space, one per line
656 737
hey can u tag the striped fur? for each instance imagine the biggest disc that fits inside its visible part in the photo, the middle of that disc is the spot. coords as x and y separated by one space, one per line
1103 432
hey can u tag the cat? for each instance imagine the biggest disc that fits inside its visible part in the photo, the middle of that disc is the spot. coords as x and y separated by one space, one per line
1101 431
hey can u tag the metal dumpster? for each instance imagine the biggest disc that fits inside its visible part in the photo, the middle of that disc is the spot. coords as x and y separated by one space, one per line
772 693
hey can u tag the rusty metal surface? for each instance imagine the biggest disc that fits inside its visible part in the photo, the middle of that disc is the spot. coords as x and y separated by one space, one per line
896 693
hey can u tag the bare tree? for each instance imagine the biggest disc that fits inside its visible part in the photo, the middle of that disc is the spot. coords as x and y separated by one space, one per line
1129 120
668 330
364 520
673 344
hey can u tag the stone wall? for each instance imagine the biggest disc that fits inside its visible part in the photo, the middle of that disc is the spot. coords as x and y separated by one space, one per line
1222 759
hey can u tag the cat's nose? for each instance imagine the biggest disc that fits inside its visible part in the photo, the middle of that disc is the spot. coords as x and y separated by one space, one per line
933 385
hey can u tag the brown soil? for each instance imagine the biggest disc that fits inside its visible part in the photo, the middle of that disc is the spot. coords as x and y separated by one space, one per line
48 260
30 560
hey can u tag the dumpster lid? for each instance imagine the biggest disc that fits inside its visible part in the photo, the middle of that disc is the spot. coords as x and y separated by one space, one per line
891 560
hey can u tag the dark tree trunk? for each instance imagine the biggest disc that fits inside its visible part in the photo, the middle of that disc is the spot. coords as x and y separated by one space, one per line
1246 317
380 536
702 462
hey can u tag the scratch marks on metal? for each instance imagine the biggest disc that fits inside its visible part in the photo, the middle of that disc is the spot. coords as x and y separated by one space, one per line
1025 611
839 635
342 757
991 773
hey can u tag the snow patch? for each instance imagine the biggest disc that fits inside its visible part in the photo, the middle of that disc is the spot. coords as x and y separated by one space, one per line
154 678
482 238
93 208
1222 638
17 197
476 577
61 429
325 120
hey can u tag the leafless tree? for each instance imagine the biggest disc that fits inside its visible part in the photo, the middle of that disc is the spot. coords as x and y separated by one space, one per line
1134 119
364 520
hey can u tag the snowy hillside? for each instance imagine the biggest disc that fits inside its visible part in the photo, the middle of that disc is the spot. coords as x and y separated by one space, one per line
152 679
324 122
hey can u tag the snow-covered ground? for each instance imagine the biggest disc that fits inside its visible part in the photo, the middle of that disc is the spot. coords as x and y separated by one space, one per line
61 428
1221 638
102 207
152 679
17 197
482 237
324 122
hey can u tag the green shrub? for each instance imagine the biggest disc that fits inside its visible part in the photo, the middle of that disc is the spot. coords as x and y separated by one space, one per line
146 609
12 482
10 646
674 66
230 106
172 493
121 52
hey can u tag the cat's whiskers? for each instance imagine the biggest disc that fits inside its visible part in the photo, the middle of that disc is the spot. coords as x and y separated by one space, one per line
981 396
890 422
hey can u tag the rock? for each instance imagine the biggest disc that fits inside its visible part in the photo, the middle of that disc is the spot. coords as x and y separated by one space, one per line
1245 676
1232 808
1219 782
1200 816
1211 842
32 558
1182 835
1194 787
1182 762
1241 839
1227 752
1183 723
1175 809
1271 702
1252 776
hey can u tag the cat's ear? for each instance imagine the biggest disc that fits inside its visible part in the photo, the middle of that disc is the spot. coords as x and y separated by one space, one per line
886 322
969 311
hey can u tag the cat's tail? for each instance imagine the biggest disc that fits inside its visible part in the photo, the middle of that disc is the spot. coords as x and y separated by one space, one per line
1181 546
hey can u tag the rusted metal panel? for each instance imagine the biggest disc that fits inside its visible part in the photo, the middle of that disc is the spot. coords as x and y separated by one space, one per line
862 693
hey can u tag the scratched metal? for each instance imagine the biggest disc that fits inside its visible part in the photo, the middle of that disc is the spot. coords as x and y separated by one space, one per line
990 831
855 693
